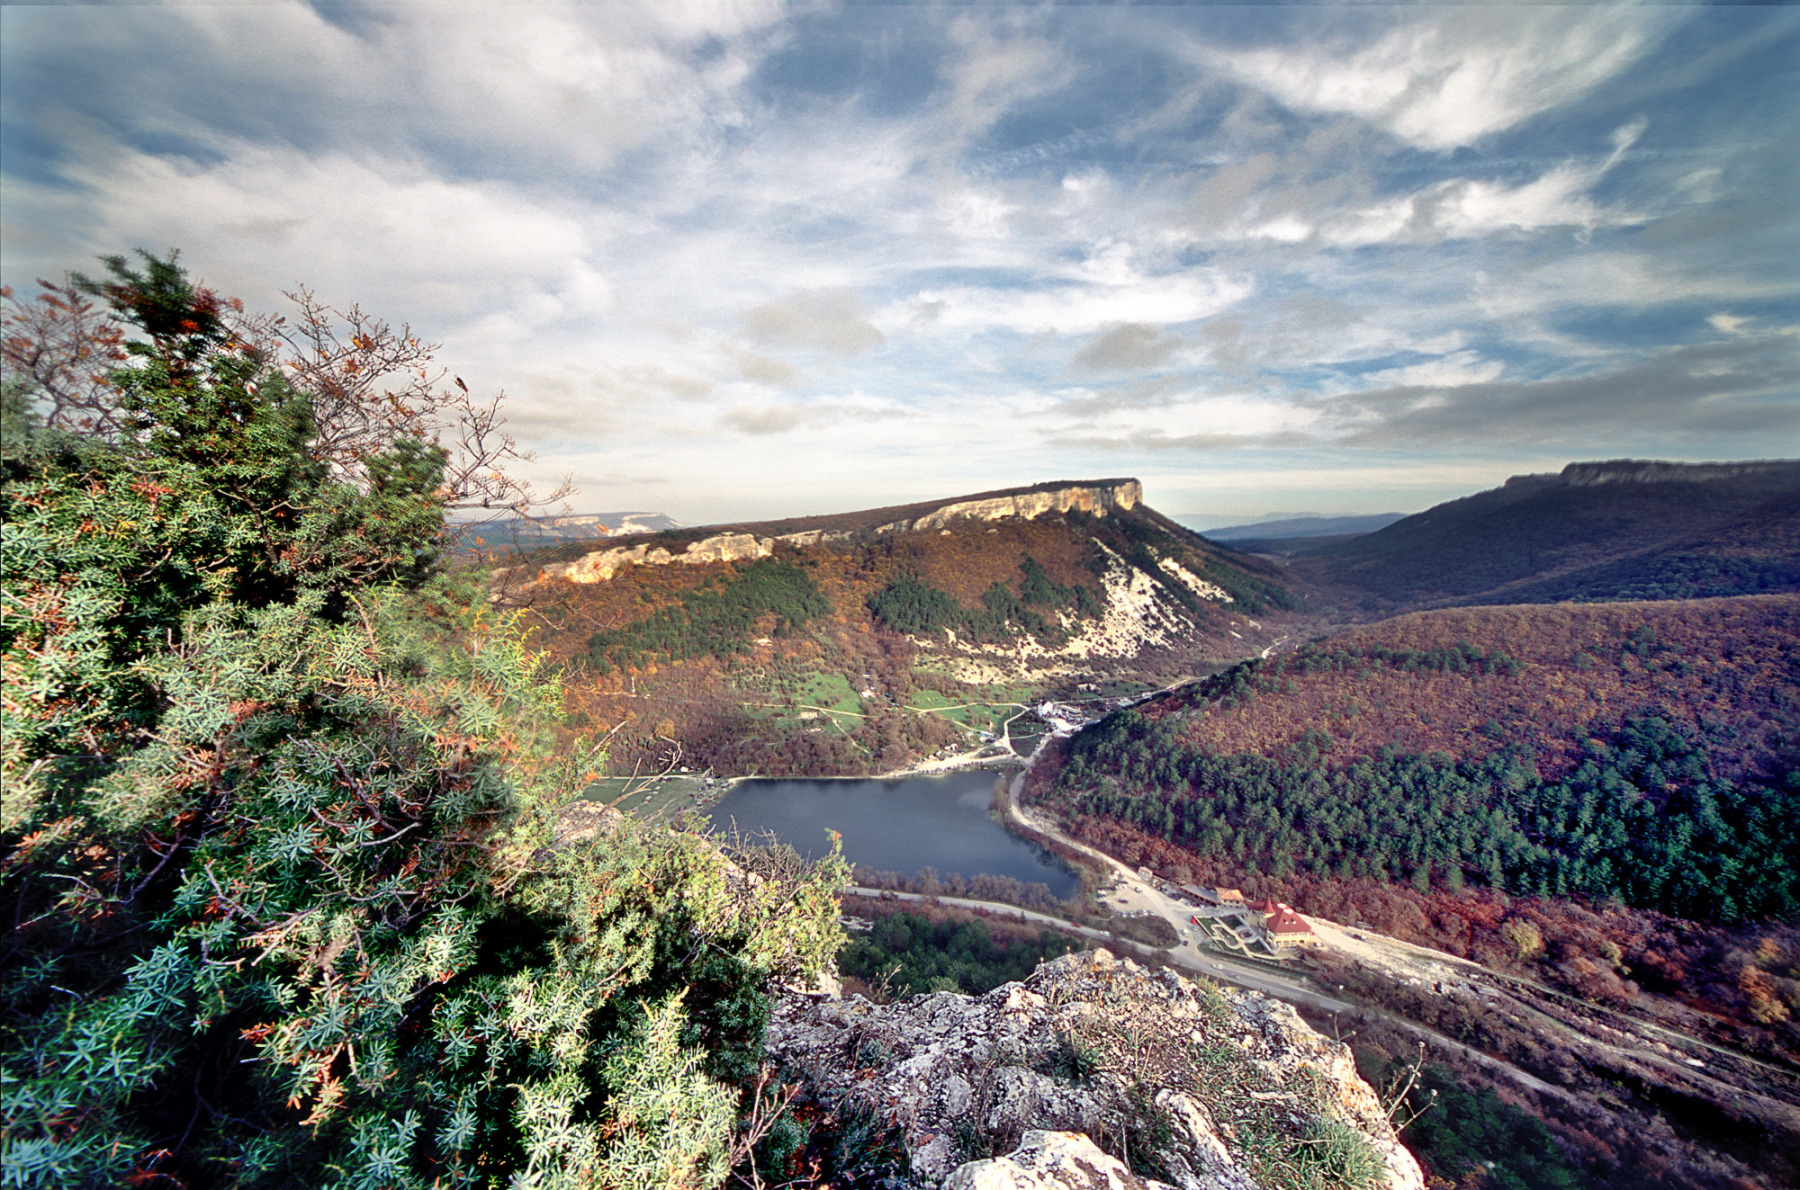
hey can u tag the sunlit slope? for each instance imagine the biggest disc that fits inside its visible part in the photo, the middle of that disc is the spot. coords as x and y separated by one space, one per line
862 642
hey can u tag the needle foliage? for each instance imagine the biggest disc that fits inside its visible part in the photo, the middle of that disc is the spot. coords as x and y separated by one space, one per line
286 894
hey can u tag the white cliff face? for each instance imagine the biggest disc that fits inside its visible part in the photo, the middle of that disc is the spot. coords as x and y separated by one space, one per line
1211 1083
1050 1161
1139 616
601 565
1031 505
1194 582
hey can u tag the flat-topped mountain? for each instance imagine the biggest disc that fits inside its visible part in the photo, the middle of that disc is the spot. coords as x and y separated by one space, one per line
525 533
1623 529
861 641
1093 496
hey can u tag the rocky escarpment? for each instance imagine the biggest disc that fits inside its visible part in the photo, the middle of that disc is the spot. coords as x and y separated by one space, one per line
1096 499
1195 1086
600 565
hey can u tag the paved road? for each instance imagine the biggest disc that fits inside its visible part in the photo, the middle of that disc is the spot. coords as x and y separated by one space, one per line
1187 955
1226 971
1191 956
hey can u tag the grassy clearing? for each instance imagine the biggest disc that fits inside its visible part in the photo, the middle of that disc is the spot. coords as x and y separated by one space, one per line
831 692
983 708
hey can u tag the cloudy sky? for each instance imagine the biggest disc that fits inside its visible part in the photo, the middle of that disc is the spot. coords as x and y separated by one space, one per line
745 261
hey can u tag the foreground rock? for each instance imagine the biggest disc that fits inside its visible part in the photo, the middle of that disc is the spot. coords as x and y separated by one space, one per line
1049 1161
1193 1086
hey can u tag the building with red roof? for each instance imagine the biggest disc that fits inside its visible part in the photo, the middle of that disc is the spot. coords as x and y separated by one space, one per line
1287 928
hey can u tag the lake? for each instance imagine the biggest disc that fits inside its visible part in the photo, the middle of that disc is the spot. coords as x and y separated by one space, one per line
901 825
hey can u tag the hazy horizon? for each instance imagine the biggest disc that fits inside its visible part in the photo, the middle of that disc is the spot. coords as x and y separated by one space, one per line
744 262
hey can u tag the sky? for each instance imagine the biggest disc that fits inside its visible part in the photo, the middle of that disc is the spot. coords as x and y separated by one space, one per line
731 262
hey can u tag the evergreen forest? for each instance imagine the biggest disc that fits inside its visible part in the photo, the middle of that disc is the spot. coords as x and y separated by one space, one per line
1641 819
913 606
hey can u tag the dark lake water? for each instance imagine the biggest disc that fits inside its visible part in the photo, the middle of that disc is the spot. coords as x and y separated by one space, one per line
902 825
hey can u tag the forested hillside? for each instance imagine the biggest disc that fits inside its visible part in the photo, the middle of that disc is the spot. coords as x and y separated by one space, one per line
1599 797
1597 531
1649 753
865 652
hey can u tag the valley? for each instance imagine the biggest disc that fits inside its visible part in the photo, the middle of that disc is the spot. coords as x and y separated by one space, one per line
1547 839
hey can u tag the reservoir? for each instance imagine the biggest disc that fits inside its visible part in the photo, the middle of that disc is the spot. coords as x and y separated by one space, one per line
900 825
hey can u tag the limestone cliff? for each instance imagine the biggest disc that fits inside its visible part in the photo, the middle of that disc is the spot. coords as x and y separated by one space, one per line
1097 499
1201 1088
601 565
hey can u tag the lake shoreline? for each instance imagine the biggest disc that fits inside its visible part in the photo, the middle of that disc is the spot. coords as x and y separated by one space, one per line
899 824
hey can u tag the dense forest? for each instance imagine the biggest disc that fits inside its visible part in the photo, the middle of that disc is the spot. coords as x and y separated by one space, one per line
916 608
1640 819
1468 682
715 620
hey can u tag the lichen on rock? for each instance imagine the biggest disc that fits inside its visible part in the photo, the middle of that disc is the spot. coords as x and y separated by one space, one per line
1190 1085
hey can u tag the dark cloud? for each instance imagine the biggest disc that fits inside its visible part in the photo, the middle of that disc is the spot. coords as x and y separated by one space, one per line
620 479
779 419
1732 386
764 369
1157 441
1154 393
1129 347
828 320
766 419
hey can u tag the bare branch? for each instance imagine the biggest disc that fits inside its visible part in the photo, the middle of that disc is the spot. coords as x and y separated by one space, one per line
371 384
63 346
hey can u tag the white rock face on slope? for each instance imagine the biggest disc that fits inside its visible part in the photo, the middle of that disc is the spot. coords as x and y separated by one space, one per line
1194 582
1203 1079
1050 1161
600 565
1098 500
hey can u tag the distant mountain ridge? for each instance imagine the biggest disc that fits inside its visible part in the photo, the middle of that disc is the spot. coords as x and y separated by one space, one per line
1308 525
538 531
1621 529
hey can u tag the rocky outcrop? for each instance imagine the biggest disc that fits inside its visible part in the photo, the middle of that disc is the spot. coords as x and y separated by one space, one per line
601 565
1097 500
1050 1161
1027 504
808 537
1203 1087
1653 471
1770 473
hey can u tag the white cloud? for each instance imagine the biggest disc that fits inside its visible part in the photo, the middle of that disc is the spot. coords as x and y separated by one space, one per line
633 218
1082 309
268 217
1459 368
1451 77
1107 287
